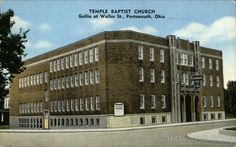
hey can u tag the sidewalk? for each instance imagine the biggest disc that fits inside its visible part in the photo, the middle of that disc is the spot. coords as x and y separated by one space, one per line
212 136
79 130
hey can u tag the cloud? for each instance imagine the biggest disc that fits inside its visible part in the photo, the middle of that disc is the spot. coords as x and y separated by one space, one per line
146 29
220 35
101 22
42 44
20 23
221 29
44 27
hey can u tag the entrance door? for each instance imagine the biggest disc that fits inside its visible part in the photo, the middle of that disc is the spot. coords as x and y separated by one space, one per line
197 116
188 108
46 122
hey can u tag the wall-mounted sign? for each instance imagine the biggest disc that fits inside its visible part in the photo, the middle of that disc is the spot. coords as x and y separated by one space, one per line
119 109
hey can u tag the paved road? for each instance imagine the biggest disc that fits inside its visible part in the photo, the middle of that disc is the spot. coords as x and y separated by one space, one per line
163 137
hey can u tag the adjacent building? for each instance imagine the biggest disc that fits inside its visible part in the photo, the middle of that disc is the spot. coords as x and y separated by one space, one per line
119 79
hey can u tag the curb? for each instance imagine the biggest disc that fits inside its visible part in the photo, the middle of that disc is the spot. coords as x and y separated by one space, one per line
210 140
75 130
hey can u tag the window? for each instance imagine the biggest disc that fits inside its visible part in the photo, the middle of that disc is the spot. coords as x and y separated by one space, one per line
212 116
37 79
72 81
210 63
218 101
80 79
96 54
81 104
67 62
97 121
46 96
86 78
86 123
204 101
91 121
55 106
67 105
91 55
71 61
205 117
51 85
217 64
81 121
217 81
141 74
203 62
45 77
142 120
40 79
59 106
151 54
55 84
212 101
76 104
219 116
63 82
153 101
177 58
85 56
72 105
62 63
67 81
80 58
190 60
181 59
97 103
204 80
186 79
142 101
34 83
59 83
140 52
58 65
91 76
154 119
162 56
63 105
87 104
97 76
185 59
152 75
163 101
211 80
51 66
92 103
31 79
51 106
76 80
162 76
76 59
163 119
55 65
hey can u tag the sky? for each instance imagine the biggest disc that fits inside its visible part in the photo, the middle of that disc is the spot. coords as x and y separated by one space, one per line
55 23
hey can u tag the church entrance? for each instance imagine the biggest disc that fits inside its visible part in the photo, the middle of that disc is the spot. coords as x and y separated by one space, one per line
188 103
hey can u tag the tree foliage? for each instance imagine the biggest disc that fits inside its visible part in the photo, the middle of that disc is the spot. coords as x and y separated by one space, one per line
230 99
12 50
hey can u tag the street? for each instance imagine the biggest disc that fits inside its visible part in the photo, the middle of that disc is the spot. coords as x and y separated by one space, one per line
166 136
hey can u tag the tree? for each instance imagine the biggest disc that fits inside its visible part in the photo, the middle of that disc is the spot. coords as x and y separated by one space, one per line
11 51
230 99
